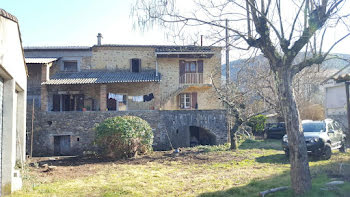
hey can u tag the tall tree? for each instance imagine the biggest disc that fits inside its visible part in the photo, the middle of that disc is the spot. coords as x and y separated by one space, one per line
269 27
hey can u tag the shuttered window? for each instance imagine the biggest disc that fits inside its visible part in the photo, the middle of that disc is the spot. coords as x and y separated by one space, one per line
188 100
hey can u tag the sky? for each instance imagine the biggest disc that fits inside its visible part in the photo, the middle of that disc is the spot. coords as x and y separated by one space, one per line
77 22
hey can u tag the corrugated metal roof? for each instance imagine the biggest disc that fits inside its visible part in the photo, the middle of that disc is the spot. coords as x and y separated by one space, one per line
40 60
95 77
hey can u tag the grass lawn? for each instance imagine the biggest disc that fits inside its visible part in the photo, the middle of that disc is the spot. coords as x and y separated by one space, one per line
201 171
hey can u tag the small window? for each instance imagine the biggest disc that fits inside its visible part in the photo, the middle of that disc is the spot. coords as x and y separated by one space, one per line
135 65
185 101
70 66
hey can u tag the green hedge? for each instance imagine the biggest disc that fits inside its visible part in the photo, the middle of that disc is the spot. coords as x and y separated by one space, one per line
124 136
257 123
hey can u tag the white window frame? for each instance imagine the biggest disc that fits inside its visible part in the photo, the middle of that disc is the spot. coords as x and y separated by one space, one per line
183 103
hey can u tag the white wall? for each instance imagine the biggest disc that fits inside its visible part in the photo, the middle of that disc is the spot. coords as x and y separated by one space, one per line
335 103
13 71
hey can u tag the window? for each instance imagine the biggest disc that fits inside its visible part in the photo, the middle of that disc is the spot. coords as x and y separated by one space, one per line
135 65
188 100
190 67
70 66
67 102
185 101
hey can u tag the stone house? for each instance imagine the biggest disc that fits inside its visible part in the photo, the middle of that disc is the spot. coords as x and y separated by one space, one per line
13 84
171 87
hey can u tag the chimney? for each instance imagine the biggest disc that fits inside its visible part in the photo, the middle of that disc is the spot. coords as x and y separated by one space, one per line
99 37
201 40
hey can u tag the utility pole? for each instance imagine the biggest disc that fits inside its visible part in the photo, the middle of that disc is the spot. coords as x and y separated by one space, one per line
227 55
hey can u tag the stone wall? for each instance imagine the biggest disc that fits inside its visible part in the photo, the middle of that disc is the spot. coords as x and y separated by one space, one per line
79 125
118 58
207 97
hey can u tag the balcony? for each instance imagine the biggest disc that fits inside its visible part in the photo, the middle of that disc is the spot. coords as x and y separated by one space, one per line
191 78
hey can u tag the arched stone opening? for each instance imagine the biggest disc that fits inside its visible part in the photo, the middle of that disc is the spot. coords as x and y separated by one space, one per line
201 136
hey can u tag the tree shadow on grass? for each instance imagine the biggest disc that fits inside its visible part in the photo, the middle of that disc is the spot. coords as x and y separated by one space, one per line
321 175
273 159
274 144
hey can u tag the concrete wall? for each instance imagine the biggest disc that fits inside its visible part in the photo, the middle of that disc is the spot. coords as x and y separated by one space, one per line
13 71
165 123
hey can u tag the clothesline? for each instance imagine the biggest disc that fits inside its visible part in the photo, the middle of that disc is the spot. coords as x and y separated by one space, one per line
141 98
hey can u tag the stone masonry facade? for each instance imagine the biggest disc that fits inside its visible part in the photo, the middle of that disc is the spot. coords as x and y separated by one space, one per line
167 125
185 109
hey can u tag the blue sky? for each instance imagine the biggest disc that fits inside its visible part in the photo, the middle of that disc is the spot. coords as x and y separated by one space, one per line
77 22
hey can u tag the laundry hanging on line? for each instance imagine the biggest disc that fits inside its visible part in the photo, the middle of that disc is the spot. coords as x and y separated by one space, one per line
147 98
137 98
117 97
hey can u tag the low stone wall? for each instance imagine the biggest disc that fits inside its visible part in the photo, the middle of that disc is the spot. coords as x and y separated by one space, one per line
167 125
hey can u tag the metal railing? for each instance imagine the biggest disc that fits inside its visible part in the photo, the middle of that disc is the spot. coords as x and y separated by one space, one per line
191 78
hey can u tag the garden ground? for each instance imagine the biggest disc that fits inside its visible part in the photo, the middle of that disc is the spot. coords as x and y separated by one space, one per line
201 171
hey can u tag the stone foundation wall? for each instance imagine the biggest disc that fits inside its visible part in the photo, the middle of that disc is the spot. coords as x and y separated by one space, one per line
167 125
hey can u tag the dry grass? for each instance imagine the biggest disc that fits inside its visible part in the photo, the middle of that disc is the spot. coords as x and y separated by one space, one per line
205 170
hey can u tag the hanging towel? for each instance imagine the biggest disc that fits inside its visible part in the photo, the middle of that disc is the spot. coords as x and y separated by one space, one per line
116 97
137 98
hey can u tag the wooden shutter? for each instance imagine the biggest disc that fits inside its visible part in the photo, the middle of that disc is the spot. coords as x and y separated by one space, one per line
200 66
194 100
178 101
56 102
182 67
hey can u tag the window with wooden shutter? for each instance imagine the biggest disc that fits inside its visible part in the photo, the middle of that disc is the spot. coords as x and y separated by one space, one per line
200 66
194 100
182 67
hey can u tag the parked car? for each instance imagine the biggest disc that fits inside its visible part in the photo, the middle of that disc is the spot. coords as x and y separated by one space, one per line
274 130
321 138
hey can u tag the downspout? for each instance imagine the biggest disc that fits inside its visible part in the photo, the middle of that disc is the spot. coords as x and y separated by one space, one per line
156 65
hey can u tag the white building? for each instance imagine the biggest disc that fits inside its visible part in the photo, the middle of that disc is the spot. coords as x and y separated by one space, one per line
13 84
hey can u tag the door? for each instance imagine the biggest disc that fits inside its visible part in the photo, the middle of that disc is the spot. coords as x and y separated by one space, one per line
1 97
62 145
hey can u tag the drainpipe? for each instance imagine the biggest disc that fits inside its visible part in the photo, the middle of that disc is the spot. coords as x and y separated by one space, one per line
156 66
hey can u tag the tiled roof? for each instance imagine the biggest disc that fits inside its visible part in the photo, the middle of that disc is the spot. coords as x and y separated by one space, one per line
28 48
40 60
8 15
342 78
183 49
94 77
158 48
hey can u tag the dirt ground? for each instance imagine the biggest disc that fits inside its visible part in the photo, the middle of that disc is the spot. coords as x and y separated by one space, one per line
68 167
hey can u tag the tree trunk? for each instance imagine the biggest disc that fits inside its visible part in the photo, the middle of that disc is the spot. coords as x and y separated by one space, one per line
233 136
300 172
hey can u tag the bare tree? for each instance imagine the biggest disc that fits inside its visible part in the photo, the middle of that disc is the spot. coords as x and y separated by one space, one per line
242 103
264 26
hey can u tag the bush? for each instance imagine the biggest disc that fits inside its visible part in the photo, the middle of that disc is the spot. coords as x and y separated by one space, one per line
257 123
124 136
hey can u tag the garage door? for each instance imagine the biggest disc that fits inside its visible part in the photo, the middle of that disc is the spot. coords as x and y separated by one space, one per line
1 96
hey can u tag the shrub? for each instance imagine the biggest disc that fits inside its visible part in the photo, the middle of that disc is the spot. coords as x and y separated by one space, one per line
257 123
124 136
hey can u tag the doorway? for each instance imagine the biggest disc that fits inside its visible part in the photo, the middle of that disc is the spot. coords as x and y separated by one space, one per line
62 145
201 136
